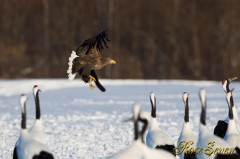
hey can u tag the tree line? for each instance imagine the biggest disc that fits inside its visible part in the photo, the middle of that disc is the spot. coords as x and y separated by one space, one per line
155 39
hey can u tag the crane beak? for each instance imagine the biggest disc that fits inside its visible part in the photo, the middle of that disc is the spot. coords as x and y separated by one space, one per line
232 79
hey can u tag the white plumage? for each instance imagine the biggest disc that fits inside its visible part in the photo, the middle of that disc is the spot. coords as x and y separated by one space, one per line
135 150
186 134
23 100
232 135
138 150
221 128
71 75
235 114
150 153
37 131
155 137
206 137
27 147
226 88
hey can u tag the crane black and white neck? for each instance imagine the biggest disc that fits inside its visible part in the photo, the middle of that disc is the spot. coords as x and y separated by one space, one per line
206 137
232 135
37 130
149 152
226 83
185 101
155 137
221 127
186 134
36 91
138 150
153 104
27 147
23 99
134 151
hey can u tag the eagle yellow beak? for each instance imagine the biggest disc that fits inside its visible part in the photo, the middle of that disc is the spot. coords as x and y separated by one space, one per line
113 62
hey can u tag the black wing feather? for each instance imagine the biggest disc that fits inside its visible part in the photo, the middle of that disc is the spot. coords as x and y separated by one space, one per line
15 156
190 156
43 155
98 84
95 41
105 43
221 129
227 156
169 148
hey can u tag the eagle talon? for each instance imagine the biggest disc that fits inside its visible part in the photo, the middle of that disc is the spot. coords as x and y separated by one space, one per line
91 85
86 59
92 78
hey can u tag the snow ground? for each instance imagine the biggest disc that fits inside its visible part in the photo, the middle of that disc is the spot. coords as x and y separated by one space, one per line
87 124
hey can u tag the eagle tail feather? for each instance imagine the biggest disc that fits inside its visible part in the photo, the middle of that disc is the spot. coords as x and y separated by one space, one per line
71 75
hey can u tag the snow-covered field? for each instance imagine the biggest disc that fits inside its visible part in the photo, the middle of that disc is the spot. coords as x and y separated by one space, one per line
87 124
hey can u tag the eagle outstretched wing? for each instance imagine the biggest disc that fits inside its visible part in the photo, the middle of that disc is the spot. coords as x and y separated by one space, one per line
87 58
97 42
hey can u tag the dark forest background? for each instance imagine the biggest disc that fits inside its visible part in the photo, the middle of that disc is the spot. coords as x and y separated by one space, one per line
154 39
